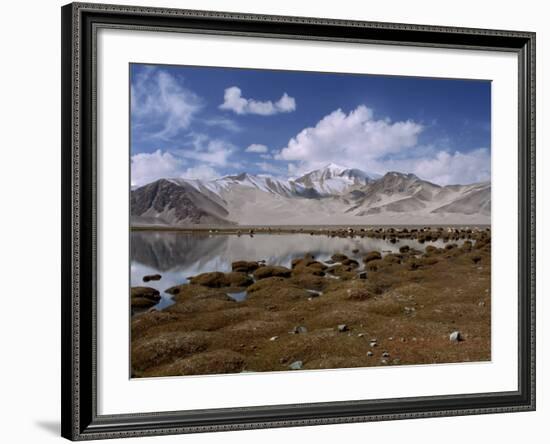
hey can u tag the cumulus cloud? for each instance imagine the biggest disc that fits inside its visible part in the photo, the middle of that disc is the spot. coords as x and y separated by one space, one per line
148 167
355 138
256 148
359 140
161 107
234 101
446 168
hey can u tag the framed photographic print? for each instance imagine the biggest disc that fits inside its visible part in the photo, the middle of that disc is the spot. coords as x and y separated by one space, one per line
279 221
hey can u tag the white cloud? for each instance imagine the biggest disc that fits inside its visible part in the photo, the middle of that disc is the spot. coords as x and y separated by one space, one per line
270 168
446 168
148 167
233 101
349 139
223 122
212 152
161 105
203 172
358 140
256 148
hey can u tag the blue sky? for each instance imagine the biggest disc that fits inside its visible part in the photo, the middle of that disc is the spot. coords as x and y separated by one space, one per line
200 122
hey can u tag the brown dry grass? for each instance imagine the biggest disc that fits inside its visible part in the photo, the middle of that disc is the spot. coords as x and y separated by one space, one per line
409 310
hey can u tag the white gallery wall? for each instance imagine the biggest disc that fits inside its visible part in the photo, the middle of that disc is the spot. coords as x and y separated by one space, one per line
30 220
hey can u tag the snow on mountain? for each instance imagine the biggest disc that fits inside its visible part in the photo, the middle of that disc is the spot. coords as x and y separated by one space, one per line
335 179
330 195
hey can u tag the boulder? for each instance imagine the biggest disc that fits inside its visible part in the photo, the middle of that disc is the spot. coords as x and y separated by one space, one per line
351 263
343 328
217 279
272 271
373 255
145 293
338 257
244 266
152 277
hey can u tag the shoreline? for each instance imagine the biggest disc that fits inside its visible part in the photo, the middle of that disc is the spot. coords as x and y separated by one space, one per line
312 229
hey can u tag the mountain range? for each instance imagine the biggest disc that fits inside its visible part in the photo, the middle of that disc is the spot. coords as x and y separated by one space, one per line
332 195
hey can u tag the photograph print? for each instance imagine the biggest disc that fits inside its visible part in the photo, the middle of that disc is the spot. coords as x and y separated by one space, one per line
295 221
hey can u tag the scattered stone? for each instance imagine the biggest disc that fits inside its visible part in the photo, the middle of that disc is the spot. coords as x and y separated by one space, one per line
299 329
369 353
152 277
456 336
274 338
296 365
385 355
360 335
373 344
342 328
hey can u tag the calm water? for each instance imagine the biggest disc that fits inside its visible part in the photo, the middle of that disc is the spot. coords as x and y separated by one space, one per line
177 256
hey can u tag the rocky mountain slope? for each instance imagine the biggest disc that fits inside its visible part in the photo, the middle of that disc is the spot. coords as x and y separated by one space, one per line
329 196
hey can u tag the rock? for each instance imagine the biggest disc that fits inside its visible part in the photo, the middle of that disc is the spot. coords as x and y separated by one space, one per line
217 279
373 255
385 355
151 277
456 336
342 328
360 335
373 344
300 329
244 266
350 263
274 338
146 293
271 271
338 257
404 249
355 250
296 365
238 279
142 303
369 353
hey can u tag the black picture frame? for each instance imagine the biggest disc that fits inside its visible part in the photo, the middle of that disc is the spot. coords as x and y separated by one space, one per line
80 22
